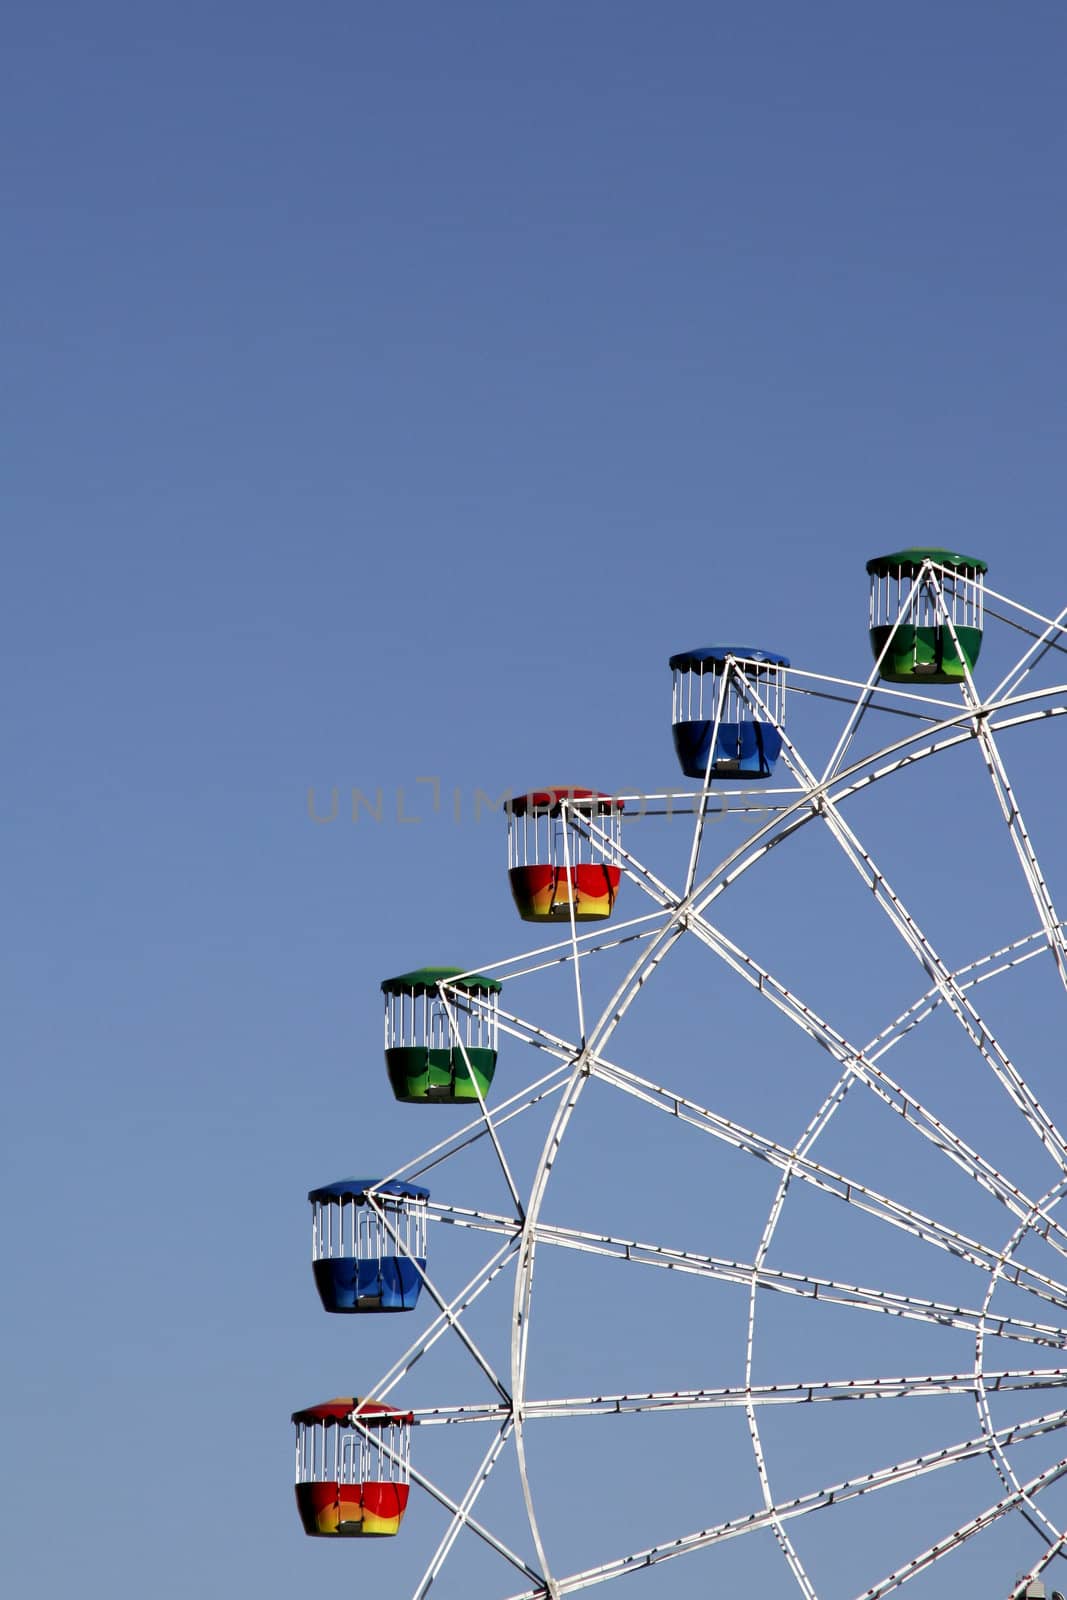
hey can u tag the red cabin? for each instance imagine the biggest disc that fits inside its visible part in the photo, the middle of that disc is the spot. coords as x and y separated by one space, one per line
563 854
349 1481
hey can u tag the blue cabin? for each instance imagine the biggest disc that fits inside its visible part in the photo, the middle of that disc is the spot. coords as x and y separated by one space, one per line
710 703
367 1257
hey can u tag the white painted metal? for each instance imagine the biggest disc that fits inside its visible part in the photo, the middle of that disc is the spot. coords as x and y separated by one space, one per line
806 794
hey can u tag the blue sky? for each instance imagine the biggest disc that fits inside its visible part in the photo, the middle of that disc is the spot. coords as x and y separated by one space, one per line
389 392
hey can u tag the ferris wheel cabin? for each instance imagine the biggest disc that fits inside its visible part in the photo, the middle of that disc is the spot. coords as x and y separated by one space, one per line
350 1481
368 1244
912 594
728 711
555 857
441 1026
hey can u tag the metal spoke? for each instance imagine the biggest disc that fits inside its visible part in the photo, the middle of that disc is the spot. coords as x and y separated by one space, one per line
1048 639
806 1392
551 1083
457 1509
859 1065
804 1505
805 1285
901 919
929 724
1011 813
1056 1548
984 1520
446 1318
1033 1513
461 1515
849 1190
490 1125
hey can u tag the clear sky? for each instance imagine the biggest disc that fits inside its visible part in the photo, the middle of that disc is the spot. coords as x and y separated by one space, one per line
388 392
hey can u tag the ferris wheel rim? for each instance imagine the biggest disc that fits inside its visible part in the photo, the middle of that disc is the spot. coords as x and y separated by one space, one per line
811 1134
1012 710
851 780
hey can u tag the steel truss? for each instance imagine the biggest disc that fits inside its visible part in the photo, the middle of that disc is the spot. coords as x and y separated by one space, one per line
823 796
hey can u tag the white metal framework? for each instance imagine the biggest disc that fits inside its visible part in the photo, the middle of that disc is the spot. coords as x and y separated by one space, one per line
989 1293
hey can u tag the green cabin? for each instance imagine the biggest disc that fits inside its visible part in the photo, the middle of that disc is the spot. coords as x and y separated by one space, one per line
926 614
441 1027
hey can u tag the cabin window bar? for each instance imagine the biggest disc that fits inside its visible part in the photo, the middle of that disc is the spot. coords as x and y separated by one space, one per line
892 596
765 679
360 1232
356 1463
733 706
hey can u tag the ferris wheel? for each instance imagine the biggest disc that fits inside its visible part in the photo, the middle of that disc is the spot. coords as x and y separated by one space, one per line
758 1139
